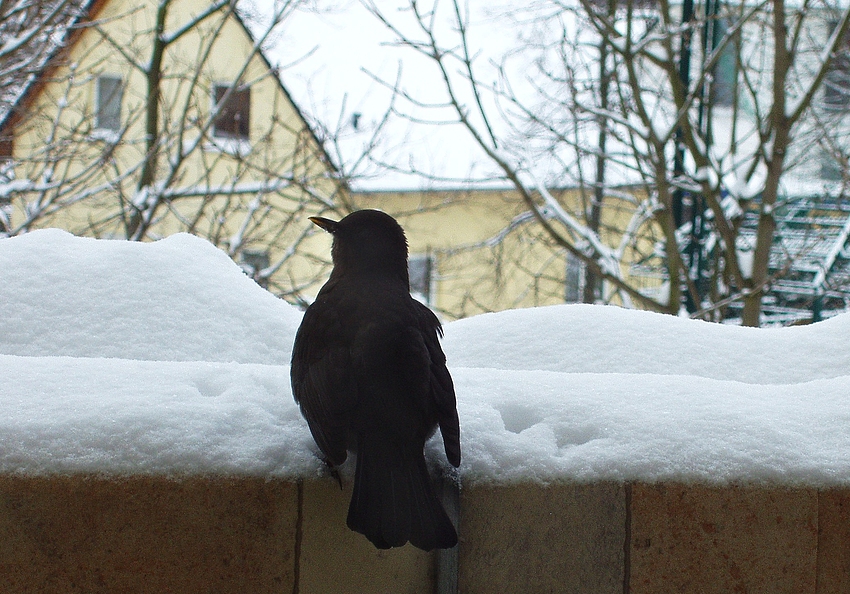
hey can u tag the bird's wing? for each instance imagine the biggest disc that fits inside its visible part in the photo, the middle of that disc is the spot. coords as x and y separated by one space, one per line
442 387
322 380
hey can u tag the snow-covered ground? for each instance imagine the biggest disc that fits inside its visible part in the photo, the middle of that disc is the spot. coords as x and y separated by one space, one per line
164 358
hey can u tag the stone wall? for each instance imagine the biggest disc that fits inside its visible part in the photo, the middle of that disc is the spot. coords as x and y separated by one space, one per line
251 535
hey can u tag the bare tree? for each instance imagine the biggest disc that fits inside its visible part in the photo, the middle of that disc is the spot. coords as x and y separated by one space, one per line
684 124
29 32
149 126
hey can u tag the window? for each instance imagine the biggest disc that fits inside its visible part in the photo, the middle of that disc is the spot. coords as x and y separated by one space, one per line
253 262
420 269
6 147
836 84
725 74
574 282
110 93
234 117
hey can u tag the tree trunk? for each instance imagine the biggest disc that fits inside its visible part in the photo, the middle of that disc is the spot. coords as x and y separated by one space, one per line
781 127
591 281
137 227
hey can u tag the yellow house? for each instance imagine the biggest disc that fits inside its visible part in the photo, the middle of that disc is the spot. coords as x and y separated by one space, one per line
480 250
160 116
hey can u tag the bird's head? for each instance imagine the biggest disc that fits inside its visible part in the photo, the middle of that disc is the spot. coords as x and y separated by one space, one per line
368 242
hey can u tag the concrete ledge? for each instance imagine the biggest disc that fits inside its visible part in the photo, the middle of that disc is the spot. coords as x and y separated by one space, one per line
833 558
709 539
146 534
217 534
528 538
335 559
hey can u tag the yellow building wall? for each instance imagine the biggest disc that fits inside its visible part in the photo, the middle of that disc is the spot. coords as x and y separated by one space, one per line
479 266
56 141
488 256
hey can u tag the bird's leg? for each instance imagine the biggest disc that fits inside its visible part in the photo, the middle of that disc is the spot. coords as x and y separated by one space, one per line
334 472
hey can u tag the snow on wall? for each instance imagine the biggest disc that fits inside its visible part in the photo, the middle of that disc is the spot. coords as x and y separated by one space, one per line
179 299
164 358
593 339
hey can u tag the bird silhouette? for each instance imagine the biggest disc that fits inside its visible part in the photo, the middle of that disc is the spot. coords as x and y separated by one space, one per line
370 376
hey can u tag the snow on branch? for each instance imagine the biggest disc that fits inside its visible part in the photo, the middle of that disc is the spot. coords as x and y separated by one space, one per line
608 259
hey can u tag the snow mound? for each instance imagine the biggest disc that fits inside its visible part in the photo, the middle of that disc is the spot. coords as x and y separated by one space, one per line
164 358
603 393
119 416
598 339
178 299
543 426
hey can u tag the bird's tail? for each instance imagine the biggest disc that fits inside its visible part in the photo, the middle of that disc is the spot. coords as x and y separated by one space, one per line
394 501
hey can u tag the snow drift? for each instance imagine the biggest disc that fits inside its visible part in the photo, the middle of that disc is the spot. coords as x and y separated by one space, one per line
165 358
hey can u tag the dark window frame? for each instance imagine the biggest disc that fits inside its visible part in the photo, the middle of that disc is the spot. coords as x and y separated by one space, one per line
420 271
233 120
108 102
574 279
253 262
724 86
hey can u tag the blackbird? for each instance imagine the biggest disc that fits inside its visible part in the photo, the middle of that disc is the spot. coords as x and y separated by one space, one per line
370 376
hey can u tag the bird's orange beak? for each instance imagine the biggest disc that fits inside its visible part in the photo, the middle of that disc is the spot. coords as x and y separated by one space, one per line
326 224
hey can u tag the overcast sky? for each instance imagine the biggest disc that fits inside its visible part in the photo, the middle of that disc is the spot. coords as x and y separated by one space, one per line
333 58
332 61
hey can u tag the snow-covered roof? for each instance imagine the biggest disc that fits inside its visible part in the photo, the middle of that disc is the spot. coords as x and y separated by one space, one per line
164 358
